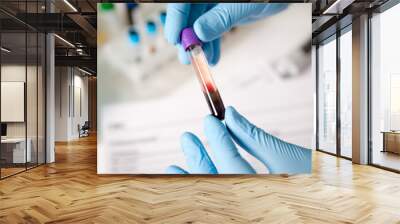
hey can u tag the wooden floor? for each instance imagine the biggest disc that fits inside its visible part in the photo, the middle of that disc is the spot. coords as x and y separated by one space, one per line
387 159
69 191
10 171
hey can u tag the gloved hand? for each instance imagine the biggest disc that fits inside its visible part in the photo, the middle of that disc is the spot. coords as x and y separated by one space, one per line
210 21
277 155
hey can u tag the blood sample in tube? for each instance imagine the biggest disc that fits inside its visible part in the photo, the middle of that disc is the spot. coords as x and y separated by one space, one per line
192 45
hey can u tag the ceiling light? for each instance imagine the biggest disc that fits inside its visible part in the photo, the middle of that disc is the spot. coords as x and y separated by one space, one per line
5 50
65 41
328 10
79 51
70 5
337 7
84 71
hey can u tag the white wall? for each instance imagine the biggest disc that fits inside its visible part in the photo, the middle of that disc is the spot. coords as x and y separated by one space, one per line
12 73
69 82
62 81
33 126
81 94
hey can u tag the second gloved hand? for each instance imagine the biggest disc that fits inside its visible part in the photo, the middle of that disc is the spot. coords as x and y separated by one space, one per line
277 155
210 21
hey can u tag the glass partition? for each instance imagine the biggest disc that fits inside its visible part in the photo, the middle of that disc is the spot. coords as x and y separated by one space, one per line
327 95
385 89
32 87
346 92
22 101
14 153
41 96
31 100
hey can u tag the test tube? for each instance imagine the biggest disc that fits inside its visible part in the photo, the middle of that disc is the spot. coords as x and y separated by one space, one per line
192 45
131 7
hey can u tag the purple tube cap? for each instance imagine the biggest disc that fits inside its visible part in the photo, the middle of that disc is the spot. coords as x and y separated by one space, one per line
189 38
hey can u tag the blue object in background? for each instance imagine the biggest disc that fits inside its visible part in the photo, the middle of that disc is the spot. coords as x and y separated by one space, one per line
132 6
134 36
151 28
163 17
277 155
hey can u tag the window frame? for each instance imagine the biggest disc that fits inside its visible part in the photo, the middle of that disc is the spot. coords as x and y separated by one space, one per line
381 9
334 37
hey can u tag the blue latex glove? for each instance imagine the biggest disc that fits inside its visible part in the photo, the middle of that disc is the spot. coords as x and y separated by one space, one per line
210 21
277 155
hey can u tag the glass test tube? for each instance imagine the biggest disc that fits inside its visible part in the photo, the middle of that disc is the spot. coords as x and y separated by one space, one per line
192 45
130 9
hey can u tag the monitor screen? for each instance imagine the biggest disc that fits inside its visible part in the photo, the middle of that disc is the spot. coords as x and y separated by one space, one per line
3 129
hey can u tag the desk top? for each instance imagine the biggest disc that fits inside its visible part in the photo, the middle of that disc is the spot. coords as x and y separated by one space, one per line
13 140
391 132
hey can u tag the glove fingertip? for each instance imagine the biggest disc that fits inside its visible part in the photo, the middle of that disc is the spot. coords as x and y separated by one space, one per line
189 140
231 115
213 63
213 128
236 123
203 31
199 30
216 51
186 135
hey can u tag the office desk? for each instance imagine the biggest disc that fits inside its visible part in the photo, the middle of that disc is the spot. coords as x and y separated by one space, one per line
391 141
15 148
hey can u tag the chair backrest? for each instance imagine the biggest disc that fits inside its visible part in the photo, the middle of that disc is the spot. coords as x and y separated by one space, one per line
86 125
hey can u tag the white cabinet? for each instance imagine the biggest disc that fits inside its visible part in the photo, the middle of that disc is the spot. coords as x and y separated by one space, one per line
18 149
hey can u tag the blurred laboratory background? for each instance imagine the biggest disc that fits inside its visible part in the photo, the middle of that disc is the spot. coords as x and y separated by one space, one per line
147 98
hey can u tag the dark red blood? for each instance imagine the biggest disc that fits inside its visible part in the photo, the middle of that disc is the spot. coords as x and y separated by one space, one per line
210 87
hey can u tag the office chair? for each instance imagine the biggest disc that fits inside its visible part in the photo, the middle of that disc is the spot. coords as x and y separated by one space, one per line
84 130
